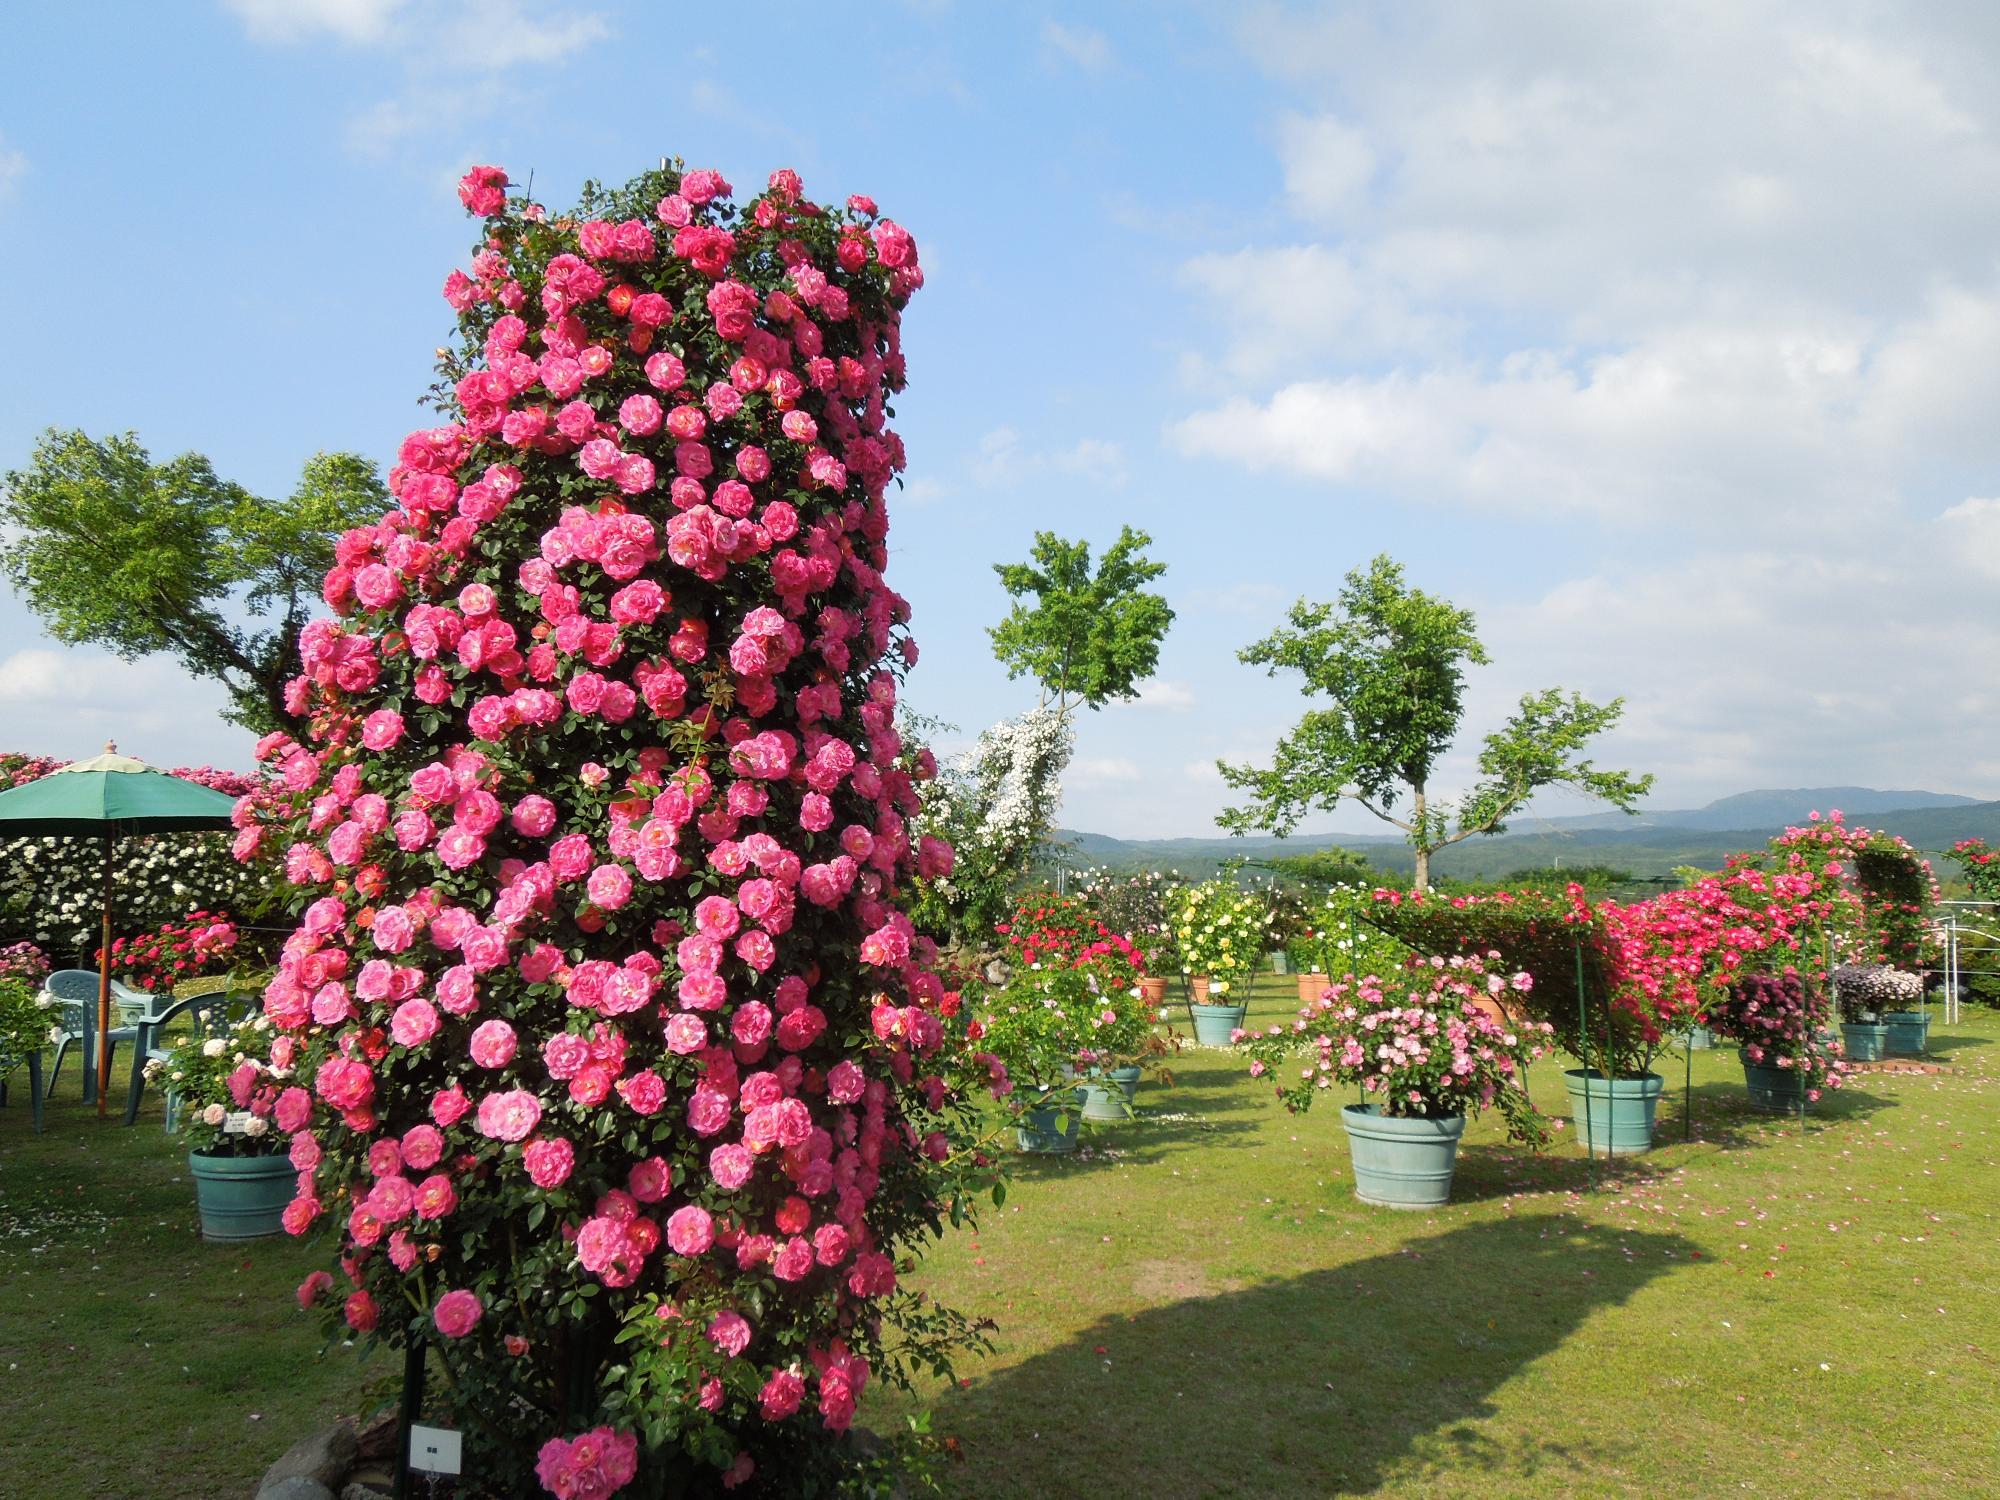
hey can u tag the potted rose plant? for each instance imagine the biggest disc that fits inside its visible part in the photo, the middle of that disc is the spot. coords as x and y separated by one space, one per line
227 1088
1777 1018
1425 1053
25 1022
1039 1027
1870 998
1219 930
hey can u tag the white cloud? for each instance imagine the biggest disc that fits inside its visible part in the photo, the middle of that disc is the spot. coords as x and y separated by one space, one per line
1165 695
1327 164
1004 459
497 34
1101 770
456 54
289 21
67 702
1087 48
13 167
1972 534
1751 421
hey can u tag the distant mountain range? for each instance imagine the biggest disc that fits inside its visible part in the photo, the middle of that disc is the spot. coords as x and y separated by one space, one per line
1649 844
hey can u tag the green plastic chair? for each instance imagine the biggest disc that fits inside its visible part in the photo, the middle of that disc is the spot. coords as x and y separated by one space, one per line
214 1012
36 1096
75 994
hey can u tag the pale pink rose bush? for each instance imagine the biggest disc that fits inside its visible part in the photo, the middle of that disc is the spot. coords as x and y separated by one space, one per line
1434 1041
621 1076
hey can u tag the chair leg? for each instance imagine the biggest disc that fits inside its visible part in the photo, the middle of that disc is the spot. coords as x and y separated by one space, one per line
139 1051
56 1071
35 1095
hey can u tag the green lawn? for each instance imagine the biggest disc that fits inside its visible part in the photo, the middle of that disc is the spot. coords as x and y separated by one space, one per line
1197 1306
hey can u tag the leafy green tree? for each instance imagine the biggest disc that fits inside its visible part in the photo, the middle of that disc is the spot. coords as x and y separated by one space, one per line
113 549
1392 660
1089 637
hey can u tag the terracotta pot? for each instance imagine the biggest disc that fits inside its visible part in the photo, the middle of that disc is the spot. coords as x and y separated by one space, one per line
1310 985
1153 991
1198 987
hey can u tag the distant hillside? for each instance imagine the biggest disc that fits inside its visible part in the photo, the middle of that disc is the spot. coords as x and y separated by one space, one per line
1649 845
1781 809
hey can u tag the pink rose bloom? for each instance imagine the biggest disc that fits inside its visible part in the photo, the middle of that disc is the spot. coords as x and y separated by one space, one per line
293 1109
781 1395
650 1180
414 1023
609 887
549 1161
435 1197
493 1044
645 1092
483 948
359 1311
640 415
534 816
381 729
414 830
456 1313
423 1147
569 856
509 1116
730 1165
449 1106
793 1260
845 1082
686 1033
729 1331
690 1231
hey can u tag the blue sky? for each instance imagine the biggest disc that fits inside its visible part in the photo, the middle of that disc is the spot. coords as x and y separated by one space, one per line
1666 341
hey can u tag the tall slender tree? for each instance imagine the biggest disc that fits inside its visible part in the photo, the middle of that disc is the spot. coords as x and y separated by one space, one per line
1391 660
1090 636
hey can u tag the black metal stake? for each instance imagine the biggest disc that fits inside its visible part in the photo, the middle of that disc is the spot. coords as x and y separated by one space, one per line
412 1408
1583 1049
1687 1092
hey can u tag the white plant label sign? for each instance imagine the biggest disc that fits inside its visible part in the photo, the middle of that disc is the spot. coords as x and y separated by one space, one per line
433 1450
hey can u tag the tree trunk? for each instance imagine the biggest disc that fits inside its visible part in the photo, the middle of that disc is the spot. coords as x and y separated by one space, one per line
1421 840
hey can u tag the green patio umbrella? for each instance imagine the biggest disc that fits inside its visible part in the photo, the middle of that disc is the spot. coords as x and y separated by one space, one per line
110 796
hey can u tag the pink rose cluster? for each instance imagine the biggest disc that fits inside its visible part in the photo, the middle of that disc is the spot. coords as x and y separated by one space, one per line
601 826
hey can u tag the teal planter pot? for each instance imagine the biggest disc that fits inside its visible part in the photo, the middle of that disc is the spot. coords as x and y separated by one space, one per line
1052 1129
241 1197
1281 962
1700 1039
1108 1096
1214 1023
1773 1088
1401 1163
1620 1111
1909 1032
1865 1042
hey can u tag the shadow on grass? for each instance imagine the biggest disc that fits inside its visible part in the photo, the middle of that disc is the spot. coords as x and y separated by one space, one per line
1317 1385
1724 1116
1943 1043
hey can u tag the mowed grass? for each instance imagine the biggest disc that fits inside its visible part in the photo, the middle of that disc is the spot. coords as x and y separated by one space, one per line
1196 1305
136 1360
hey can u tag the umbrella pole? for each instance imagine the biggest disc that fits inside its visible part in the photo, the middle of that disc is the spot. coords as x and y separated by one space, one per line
104 986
